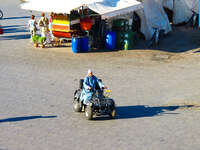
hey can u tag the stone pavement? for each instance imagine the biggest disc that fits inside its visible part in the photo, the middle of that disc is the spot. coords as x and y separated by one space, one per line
157 95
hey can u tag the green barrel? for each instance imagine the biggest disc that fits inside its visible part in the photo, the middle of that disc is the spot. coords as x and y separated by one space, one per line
120 40
128 40
125 39
120 25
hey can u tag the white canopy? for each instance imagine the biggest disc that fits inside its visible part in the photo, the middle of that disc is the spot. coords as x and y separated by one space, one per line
113 8
106 8
57 6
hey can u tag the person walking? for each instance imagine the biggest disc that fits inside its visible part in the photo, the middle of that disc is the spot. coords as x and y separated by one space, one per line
44 27
32 26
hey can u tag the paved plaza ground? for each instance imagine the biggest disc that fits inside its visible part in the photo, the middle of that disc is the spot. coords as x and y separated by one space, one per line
157 93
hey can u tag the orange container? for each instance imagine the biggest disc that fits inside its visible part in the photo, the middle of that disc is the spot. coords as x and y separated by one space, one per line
86 24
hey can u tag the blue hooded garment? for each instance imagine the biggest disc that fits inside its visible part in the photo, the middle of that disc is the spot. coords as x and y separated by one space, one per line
92 81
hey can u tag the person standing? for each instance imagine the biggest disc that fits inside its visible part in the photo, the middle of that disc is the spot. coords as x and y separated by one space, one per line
44 27
32 26
50 25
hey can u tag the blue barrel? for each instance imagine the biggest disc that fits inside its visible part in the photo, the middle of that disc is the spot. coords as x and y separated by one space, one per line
76 45
110 40
84 44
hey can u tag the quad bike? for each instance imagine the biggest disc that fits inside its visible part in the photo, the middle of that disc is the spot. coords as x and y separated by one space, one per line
100 103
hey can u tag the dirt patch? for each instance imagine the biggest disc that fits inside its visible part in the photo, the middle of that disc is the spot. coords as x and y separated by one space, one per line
161 57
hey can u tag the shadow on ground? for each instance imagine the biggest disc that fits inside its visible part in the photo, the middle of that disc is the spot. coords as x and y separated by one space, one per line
12 26
15 37
100 51
140 111
181 39
16 119
23 17
15 32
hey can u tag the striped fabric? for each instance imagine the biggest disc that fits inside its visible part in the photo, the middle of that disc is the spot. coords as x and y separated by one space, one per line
61 28
60 24
62 34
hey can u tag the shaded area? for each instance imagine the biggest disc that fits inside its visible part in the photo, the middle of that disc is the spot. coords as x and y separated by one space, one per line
100 51
23 17
11 32
11 26
197 51
128 112
14 30
180 39
141 111
15 37
16 119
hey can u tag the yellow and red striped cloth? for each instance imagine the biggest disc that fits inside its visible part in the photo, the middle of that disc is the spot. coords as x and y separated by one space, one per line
61 26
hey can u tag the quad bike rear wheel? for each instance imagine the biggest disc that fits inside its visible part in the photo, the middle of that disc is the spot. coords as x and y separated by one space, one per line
88 113
112 113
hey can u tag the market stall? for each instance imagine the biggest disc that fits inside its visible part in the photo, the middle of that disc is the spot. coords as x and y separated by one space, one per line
89 24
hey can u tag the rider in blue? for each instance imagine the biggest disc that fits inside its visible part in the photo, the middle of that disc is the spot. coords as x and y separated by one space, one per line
89 86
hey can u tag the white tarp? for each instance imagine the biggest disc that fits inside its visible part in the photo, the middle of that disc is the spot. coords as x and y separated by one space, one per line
113 8
182 9
153 16
57 6
168 4
195 6
106 8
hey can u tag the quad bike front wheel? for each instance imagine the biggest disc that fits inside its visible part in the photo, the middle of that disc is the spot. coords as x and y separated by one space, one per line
88 113
77 107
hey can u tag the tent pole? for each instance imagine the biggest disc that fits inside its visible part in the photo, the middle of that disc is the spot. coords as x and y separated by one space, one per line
199 15
173 11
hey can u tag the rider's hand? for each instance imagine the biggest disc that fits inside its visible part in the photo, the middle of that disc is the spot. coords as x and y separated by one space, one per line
89 88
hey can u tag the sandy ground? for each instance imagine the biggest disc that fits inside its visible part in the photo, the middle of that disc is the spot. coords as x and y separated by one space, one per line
156 91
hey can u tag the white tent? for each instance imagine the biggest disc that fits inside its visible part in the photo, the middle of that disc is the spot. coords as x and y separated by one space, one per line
182 9
106 8
153 16
57 6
